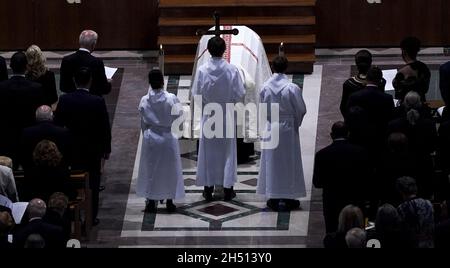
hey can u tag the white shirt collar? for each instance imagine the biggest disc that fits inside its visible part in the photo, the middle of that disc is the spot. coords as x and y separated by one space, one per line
84 49
85 89
281 75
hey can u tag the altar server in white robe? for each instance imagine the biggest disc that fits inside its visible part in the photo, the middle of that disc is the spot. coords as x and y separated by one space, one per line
218 82
281 177
160 172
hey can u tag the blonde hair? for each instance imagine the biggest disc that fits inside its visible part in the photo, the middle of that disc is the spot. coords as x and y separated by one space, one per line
36 62
6 161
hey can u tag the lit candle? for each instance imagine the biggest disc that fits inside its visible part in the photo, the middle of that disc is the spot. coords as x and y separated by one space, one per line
281 50
161 59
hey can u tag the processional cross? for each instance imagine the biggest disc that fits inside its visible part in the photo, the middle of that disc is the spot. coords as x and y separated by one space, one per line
217 31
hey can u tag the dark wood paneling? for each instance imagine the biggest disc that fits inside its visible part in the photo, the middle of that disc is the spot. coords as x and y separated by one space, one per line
58 24
328 17
122 24
393 25
55 24
16 23
358 23
350 23
446 22
427 21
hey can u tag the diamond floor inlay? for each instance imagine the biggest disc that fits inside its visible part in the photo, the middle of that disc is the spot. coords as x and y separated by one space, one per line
218 210
245 216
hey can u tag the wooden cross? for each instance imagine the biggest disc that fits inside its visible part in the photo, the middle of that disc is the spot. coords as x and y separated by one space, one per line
217 31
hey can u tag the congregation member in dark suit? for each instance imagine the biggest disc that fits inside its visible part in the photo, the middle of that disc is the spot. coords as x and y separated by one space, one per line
344 173
19 99
396 162
422 136
361 132
444 82
47 175
34 241
415 75
86 116
83 58
442 232
44 129
444 157
58 214
378 108
38 72
3 69
446 114
363 60
53 235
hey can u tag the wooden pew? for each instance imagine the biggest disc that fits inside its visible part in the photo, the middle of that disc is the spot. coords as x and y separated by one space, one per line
82 205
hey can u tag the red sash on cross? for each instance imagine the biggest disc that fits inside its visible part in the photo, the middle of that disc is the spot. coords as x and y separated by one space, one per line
227 38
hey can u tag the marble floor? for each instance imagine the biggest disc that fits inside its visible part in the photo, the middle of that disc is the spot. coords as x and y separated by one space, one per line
244 222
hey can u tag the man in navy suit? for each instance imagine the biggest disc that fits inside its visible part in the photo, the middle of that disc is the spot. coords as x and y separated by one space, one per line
3 70
44 129
344 172
378 108
444 82
83 58
19 99
86 116
52 235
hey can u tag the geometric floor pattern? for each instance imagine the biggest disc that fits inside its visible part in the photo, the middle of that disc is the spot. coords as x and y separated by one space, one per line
245 221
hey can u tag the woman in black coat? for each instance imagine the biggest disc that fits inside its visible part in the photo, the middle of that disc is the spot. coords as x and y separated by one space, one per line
38 72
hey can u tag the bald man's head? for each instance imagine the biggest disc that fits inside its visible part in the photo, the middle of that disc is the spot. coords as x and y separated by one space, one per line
88 39
44 113
36 208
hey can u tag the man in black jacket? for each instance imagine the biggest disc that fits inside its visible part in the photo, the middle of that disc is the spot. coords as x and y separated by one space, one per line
53 235
444 82
86 116
343 171
3 70
363 60
57 213
377 106
19 99
44 129
83 58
